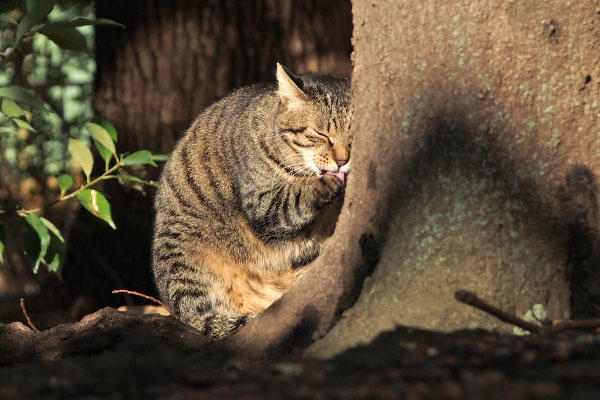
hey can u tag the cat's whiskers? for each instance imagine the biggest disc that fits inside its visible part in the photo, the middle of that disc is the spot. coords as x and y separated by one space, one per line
297 169
291 168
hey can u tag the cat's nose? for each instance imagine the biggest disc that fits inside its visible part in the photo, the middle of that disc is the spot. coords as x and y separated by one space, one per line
341 163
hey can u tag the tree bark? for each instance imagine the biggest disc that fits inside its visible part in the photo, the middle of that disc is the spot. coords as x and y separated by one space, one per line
475 161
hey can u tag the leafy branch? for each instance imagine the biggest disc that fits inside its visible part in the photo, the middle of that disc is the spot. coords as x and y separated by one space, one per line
18 103
104 176
104 136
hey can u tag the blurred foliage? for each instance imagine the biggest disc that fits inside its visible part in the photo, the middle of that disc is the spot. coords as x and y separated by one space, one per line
63 80
46 76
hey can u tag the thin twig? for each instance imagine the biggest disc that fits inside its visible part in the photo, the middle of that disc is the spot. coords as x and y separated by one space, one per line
141 295
102 177
581 324
27 316
471 299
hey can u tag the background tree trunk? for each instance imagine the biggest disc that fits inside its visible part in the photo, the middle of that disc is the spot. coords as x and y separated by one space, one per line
154 77
475 163
177 57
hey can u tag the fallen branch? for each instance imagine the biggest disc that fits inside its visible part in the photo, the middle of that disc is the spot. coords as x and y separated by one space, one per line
141 295
471 299
582 324
31 325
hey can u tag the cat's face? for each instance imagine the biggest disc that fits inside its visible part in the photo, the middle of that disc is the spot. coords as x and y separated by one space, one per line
314 120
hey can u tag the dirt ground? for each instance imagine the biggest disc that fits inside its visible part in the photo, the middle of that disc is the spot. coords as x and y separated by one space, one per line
113 354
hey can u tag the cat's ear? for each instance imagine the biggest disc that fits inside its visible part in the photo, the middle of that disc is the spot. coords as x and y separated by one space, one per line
291 95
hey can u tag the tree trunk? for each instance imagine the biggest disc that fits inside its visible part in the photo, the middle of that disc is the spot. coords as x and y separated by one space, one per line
154 77
475 161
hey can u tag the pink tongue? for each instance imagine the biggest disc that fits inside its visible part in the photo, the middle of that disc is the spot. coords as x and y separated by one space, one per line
341 176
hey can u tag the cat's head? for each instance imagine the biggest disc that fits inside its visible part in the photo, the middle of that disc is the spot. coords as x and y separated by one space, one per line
315 114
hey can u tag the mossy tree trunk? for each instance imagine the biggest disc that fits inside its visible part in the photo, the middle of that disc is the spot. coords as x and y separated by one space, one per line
476 157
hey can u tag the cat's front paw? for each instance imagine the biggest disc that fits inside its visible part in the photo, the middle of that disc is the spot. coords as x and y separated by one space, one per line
328 188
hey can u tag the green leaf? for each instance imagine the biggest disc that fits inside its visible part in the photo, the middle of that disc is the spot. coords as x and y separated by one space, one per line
82 155
8 19
139 157
65 182
102 136
2 241
23 124
160 157
11 108
96 203
123 178
7 129
109 128
104 152
54 264
19 94
69 39
42 231
36 12
52 229
54 26
31 242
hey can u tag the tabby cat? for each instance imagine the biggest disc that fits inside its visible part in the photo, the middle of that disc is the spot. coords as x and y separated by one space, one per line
248 197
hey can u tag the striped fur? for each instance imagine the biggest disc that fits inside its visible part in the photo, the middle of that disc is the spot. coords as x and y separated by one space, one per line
245 200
